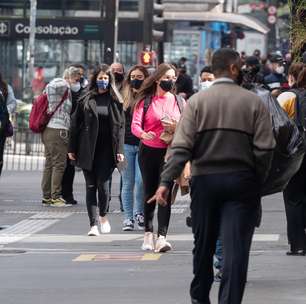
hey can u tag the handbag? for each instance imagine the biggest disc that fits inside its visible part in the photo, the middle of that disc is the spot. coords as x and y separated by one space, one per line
9 129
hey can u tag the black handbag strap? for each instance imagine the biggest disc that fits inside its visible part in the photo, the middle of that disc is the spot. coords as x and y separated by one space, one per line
60 103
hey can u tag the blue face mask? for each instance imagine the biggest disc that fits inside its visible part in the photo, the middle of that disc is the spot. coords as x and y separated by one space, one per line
102 84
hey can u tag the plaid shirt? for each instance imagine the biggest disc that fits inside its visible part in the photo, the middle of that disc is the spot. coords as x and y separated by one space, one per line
55 91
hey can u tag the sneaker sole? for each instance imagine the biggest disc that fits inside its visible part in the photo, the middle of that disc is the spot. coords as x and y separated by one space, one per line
92 234
127 229
60 206
147 248
164 249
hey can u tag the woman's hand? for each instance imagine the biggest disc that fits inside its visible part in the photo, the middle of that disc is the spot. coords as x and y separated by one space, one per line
148 135
72 156
169 126
120 158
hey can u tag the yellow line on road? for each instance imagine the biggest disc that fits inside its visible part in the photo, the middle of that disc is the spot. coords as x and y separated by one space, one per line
151 257
85 258
110 257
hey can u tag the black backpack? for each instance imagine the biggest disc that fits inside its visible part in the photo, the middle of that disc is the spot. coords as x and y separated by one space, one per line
4 115
179 99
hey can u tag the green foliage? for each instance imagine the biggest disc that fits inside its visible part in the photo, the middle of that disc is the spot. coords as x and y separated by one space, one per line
298 27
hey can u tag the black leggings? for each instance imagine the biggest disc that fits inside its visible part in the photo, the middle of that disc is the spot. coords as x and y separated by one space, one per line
94 182
2 145
151 161
295 206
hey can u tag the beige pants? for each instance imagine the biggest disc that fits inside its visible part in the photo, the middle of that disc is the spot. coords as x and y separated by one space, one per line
56 148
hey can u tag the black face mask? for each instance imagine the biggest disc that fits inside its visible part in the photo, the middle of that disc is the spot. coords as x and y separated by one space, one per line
136 83
166 85
118 77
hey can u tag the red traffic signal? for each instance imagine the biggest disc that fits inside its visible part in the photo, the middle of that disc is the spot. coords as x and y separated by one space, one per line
146 58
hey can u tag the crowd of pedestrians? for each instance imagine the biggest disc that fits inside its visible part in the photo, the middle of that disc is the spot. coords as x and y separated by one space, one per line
148 126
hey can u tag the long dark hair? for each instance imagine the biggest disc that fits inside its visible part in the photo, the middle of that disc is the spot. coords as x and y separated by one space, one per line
3 86
301 80
149 86
104 68
128 93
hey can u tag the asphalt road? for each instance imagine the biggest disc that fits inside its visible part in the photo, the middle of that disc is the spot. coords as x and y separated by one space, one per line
46 256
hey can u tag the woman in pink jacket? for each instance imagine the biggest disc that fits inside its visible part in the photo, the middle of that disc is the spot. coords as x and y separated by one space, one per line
156 108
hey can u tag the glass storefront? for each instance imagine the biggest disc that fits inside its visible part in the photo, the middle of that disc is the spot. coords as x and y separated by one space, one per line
53 55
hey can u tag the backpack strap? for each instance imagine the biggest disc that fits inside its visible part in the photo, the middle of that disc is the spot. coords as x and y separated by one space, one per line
147 101
60 103
146 104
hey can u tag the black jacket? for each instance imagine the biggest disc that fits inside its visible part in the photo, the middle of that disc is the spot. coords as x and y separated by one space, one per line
130 138
84 130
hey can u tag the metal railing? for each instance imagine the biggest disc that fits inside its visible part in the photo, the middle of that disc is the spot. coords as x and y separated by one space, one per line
24 150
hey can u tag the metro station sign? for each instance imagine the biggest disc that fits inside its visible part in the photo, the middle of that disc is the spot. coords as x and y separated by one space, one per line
67 28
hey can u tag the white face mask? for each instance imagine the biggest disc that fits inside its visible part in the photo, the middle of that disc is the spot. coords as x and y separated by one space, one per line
280 70
75 87
205 85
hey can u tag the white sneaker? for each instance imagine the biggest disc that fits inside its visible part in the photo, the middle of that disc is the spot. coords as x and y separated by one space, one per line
94 231
162 245
148 241
105 227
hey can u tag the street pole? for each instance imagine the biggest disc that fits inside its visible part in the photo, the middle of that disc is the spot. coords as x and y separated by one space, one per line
111 8
31 49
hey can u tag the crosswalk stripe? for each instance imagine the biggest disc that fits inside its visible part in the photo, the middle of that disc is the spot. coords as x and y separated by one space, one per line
108 238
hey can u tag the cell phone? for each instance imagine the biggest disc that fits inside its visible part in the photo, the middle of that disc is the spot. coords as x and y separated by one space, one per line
166 120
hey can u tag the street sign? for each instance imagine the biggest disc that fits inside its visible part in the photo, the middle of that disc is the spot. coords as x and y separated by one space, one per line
272 19
69 28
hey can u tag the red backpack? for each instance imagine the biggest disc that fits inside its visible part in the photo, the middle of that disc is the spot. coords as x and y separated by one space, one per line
39 116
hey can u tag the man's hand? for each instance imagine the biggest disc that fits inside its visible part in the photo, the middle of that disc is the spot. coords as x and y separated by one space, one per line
120 158
161 196
72 156
148 135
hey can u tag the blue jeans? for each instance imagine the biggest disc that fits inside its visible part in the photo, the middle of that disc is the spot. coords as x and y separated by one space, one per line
219 255
131 180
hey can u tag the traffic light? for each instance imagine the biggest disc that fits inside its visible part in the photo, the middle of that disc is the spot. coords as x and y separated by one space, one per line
146 58
153 22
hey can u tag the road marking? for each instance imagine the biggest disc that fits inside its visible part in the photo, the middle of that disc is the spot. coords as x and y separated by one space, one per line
108 238
52 215
266 237
117 256
27 227
85 258
23 230
151 257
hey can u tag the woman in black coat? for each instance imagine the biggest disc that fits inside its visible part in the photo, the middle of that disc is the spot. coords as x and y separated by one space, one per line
96 142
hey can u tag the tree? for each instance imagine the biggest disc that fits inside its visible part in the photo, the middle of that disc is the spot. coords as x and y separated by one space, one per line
298 27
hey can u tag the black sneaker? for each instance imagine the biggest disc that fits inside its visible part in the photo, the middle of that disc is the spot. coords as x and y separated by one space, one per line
128 225
71 201
46 201
139 221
